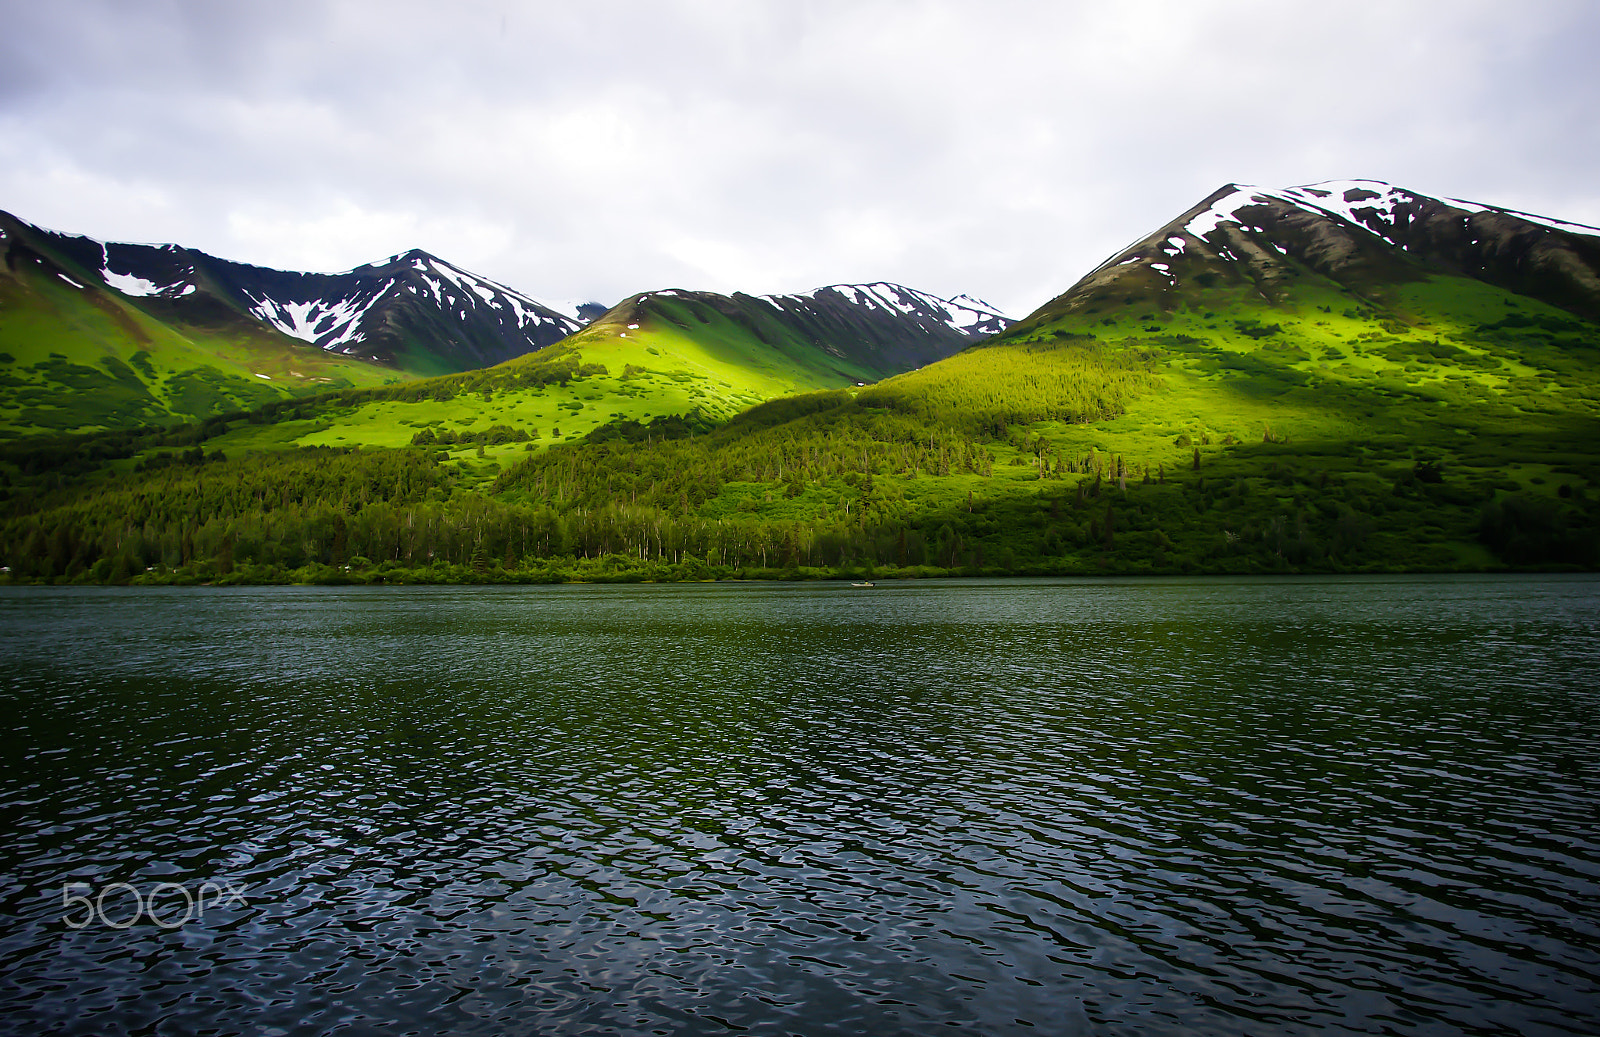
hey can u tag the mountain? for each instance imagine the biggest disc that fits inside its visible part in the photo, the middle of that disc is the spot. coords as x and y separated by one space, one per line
886 325
413 312
693 358
1345 287
104 334
107 334
1364 347
839 333
1338 377
77 354
1364 235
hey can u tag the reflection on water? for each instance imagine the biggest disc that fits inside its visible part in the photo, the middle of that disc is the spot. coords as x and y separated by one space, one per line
1332 805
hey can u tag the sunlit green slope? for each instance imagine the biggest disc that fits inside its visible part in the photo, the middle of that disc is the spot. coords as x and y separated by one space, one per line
1439 363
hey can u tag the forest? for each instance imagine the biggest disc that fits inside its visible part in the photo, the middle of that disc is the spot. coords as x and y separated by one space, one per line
817 486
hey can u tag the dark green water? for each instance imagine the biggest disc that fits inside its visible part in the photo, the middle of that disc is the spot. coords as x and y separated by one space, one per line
1153 807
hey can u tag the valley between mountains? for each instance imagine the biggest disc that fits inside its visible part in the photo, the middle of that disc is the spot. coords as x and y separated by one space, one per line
1340 377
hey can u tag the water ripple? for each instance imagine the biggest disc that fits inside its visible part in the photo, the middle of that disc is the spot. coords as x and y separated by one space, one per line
1136 807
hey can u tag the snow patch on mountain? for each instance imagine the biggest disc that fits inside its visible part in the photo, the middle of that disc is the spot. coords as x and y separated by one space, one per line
1360 201
1355 201
1371 205
340 322
130 285
314 321
1223 210
1546 221
471 289
972 302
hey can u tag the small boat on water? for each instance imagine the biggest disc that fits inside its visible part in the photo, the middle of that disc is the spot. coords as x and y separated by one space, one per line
865 583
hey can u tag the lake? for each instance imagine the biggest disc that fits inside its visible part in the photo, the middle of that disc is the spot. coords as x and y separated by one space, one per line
1322 805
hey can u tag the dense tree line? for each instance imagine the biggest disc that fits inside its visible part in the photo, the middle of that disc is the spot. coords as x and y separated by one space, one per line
844 499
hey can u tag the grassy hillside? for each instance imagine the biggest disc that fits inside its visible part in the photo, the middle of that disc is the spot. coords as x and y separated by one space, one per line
693 358
741 355
1438 364
664 356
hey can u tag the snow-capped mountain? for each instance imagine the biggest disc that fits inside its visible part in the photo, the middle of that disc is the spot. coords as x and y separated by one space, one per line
407 310
888 327
1387 211
1358 233
883 328
966 316
344 317
413 311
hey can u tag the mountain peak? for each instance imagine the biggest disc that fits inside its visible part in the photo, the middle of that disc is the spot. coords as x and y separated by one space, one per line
414 257
969 317
1365 235
1369 204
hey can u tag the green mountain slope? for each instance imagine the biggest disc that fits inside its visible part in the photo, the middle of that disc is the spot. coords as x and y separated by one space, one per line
75 355
1318 363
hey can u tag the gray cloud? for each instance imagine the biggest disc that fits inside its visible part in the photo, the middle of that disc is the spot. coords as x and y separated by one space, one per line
587 151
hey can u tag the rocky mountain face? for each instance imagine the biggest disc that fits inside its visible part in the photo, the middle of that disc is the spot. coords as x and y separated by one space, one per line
1361 234
889 321
884 328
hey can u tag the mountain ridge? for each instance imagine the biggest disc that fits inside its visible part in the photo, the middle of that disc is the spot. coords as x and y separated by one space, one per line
390 312
140 333
1359 233
872 329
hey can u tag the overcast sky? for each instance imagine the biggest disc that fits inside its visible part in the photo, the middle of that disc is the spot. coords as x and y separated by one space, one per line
586 150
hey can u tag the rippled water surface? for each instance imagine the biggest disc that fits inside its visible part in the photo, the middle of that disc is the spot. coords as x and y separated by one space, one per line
1319 806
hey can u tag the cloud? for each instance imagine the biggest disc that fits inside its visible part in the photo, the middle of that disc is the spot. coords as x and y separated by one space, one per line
588 151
